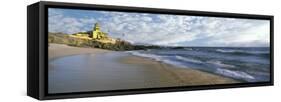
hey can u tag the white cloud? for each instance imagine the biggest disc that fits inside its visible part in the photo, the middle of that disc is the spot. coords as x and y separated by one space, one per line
58 22
169 30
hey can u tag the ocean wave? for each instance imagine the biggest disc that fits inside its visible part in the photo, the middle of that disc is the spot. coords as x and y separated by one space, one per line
158 58
241 51
235 74
216 66
190 49
220 64
151 56
175 63
188 59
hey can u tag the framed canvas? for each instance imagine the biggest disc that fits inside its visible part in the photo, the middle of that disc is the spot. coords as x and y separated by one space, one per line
82 50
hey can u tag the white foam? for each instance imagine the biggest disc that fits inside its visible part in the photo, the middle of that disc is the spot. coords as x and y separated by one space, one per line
188 60
235 74
227 50
220 64
174 63
157 58
190 49
241 51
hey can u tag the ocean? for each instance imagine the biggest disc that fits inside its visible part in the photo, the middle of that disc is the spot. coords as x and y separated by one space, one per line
247 64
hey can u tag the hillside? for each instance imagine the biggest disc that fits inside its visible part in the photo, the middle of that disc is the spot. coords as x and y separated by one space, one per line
119 45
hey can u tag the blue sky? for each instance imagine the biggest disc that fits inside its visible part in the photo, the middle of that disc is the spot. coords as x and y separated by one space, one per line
161 29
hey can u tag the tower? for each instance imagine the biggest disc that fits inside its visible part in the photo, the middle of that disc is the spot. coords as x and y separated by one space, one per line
96 27
96 31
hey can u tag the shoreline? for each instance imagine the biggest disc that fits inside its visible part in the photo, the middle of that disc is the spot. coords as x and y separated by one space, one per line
186 76
112 70
61 50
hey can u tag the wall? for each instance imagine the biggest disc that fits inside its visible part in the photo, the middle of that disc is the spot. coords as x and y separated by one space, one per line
13 51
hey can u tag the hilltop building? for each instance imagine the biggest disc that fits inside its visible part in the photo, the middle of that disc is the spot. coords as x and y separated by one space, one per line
95 34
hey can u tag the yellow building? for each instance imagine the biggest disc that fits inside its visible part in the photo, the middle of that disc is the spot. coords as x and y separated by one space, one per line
81 35
96 33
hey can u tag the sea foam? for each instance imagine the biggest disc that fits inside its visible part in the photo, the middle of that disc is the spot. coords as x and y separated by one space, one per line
188 59
220 64
241 51
163 59
235 74
151 56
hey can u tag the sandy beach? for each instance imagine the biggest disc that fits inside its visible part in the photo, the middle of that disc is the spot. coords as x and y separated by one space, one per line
73 69
61 50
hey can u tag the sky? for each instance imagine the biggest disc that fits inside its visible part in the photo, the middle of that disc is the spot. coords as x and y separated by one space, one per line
163 29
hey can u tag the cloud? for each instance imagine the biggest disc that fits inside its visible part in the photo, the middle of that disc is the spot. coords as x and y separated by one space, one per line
162 29
59 22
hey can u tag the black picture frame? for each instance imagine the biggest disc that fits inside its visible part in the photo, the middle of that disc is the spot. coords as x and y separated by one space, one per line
37 49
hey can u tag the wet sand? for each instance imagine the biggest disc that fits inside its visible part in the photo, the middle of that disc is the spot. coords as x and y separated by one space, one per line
73 69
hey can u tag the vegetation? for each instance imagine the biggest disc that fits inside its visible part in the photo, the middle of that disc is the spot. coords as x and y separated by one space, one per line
119 45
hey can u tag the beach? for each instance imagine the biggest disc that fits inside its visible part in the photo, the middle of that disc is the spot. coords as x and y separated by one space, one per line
61 50
74 69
